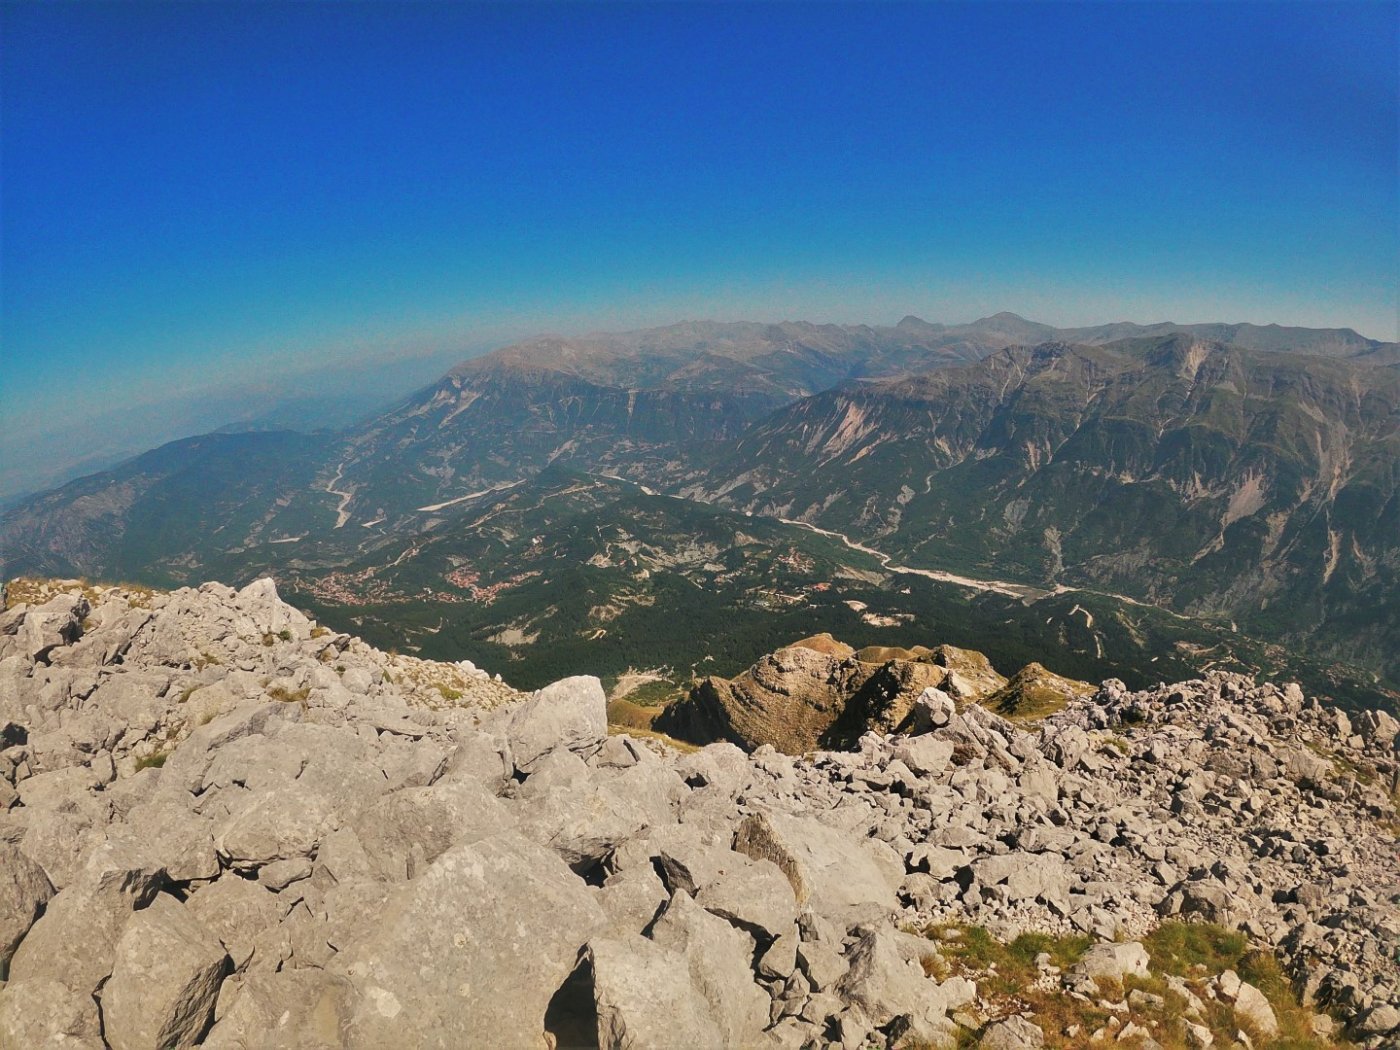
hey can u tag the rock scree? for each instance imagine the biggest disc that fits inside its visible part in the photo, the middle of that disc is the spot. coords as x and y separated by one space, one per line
224 825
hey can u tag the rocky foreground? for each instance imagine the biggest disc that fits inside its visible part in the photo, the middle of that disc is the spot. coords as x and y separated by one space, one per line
221 824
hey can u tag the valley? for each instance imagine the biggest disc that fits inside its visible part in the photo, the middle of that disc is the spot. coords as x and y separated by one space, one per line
1136 504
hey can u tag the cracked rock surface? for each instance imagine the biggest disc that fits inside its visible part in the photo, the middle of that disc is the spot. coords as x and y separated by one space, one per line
223 825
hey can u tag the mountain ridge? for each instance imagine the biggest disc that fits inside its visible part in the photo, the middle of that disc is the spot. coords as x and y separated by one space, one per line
678 409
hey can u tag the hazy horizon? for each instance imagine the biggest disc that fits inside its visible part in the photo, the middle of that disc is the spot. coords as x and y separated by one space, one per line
205 201
357 387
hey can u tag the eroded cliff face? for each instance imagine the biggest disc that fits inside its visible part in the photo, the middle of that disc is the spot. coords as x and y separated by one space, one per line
222 825
821 693
1213 480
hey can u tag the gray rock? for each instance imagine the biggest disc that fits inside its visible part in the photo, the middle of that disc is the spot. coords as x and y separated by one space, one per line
471 952
644 997
45 1012
165 979
75 940
24 890
403 832
1012 1033
571 713
924 755
235 910
1114 960
1252 1006
290 1009
828 870
174 836
277 825
718 958
751 893
882 985
632 899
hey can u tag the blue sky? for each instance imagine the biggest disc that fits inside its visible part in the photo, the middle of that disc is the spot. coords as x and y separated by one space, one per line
194 194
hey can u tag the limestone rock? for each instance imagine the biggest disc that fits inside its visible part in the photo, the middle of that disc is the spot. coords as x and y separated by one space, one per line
24 890
1252 1006
165 979
1012 1033
1129 958
571 713
471 952
828 870
45 1012
644 997
718 957
234 910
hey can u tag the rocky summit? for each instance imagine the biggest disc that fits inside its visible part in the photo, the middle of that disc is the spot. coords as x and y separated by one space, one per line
224 825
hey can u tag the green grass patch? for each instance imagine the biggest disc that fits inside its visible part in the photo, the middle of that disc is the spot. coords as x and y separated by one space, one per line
1009 967
288 696
1186 949
155 760
1007 976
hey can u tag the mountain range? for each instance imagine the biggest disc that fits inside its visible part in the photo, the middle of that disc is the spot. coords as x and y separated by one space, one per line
1201 494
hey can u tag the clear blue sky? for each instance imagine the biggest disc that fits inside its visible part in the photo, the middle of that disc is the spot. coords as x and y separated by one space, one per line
200 190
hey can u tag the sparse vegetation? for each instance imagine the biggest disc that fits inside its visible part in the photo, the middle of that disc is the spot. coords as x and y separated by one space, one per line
968 950
1116 742
1183 956
155 760
650 734
288 696
630 716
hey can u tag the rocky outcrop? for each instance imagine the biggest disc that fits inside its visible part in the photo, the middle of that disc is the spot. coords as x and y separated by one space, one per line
820 692
1034 692
221 825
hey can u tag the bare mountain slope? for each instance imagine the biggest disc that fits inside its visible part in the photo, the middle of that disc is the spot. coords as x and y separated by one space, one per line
1258 487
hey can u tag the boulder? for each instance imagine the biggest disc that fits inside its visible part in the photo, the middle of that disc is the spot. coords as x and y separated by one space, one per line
644 997
289 1009
632 899
927 756
1251 1005
753 894
1012 1033
235 911
571 713
883 985
74 941
165 979
470 953
24 890
718 957
405 831
276 825
830 871
45 1012
177 838
1113 959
